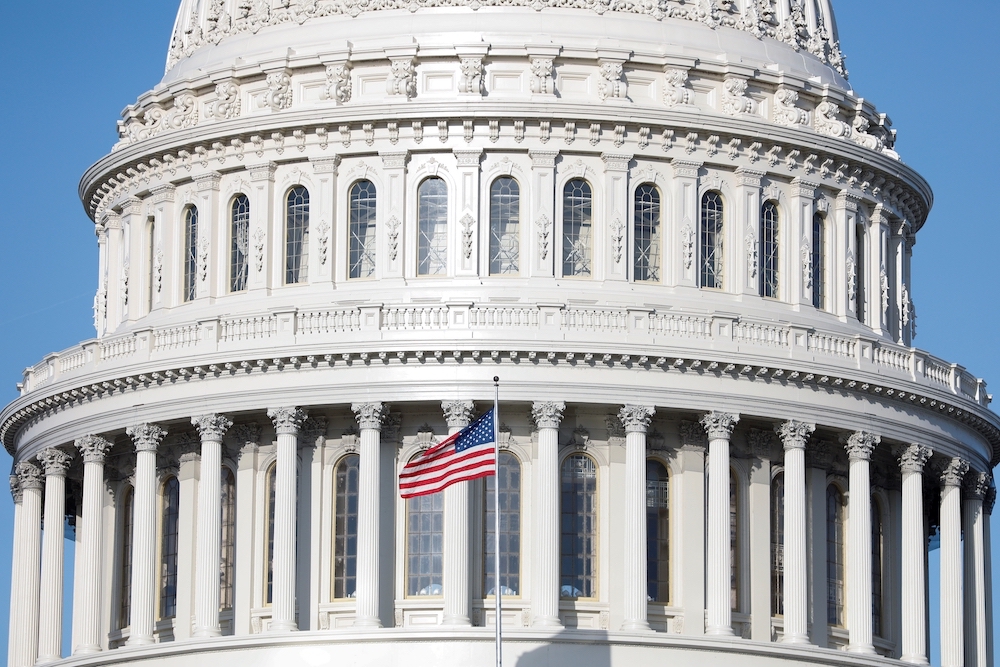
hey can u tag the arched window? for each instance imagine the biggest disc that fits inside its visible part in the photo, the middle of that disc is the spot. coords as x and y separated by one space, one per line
345 533
578 529
170 501
769 250
657 532
505 226
361 259
510 528
778 544
269 531
190 252
432 221
239 247
860 293
877 566
228 551
127 509
819 262
835 557
711 240
425 545
296 235
578 208
734 541
646 261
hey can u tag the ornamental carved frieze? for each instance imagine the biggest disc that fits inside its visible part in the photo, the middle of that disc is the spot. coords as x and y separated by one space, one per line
458 414
402 79
146 437
338 83
675 90
785 111
794 434
860 445
636 418
471 81
914 457
287 421
734 97
719 425
93 448
370 415
212 428
547 414
611 85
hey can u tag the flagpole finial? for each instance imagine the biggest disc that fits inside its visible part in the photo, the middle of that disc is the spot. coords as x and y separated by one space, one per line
496 379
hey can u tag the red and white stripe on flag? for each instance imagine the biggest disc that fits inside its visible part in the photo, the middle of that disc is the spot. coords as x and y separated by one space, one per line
469 454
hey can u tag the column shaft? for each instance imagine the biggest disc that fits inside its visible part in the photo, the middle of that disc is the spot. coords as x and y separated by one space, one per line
975 570
367 598
545 587
51 596
87 606
795 592
952 616
142 605
28 579
14 638
860 446
636 419
914 546
718 559
209 525
455 577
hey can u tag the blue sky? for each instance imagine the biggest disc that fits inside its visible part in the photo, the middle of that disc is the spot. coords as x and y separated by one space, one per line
71 67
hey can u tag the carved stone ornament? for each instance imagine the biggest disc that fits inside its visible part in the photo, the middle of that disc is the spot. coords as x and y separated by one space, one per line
581 435
246 434
392 226
734 97
860 445
852 282
975 488
471 81
826 121
687 245
211 428
761 443
146 437
805 253
547 414
785 111
636 418
544 226
29 475
542 82
719 425
458 414
54 461
313 431
279 91
402 78
794 434
954 472
227 102
611 84
617 239
675 90
94 448
914 457
16 492
338 83
692 435
861 136
468 229
883 281
752 255
287 420
370 415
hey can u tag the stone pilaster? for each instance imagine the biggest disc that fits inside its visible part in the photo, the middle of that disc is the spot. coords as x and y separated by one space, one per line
287 423
636 420
860 446
795 595
914 553
545 566
370 417
211 428
718 561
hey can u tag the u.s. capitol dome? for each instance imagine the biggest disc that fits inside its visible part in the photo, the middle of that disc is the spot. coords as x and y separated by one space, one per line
672 229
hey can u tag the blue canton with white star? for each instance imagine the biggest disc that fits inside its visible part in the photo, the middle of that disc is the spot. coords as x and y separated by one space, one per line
479 432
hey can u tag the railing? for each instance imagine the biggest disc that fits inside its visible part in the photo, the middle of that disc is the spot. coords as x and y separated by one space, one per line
896 358
840 346
175 338
417 317
117 348
249 328
939 372
72 361
503 318
328 321
591 319
683 326
760 334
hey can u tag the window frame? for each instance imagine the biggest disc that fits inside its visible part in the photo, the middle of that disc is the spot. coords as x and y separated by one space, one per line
819 295
517 208
719 235
126 521
589 223
371 226
595 537
234 243
227 552
335 532
162 549
669 534
842 551
777 542
655 247
769 271
442 218
189 273
298 274
406 545
488 527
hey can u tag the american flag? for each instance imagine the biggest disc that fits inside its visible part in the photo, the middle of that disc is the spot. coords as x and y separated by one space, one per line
469 454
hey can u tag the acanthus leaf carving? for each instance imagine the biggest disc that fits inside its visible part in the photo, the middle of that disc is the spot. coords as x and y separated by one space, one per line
338 83
542 82
402 78
611 85
471 81
279 91
785 111
227 103
675 90
468 228
826 121
544 226
734 97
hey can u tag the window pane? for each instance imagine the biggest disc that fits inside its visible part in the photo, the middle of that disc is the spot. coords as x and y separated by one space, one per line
835 556
711 240
510 527
876 568
860 293
296 236
345 540
168 549
425 544
577 220
657 532
125 582
734 542
228 552
240 244
647 233
505 226
190 252
269 557
432 213
778 545
578 532
769 250
361 262
819 262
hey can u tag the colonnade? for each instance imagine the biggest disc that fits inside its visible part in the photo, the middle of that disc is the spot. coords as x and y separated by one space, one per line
965 501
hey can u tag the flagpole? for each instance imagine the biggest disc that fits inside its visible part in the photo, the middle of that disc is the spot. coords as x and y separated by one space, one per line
497 589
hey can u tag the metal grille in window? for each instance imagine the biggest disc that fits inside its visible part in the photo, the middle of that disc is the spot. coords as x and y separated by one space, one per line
361 260
711 240
510 528
657 532
125 584
269 557
734 543
578 529
345 541
228 550
432 223
297 236
778 545
769 250
578 208
647 233
190 252
819 262
424 544
240 246
168 549
835 556
860 293
505 226
876 568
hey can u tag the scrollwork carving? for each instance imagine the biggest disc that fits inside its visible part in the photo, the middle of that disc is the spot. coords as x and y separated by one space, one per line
785 111
93 448
675 90
279 91
146 437
370 415
636 418
338 83
719 425
287 420
734 97
471 81
611 85
860 445
542 82
794 434
547 414
826 121
227 102
402 78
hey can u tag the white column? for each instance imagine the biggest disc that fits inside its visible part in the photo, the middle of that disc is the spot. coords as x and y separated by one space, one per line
688 575
718 561
796 580
287 422
952 617
14 639
29 544
55 463
208 548
87 606
455 577
636 419
369 416
248 440
545 565
914 554
976 485
988 503
860 446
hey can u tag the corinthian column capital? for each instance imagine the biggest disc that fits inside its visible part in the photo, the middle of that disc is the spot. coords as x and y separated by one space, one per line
976 485
458 414
212 427
287 421
954 472
720 425
988 502
914 457
370 415
29 475
54 461
547 414
794 434
93 448
860 445
636 418
146 437
16 492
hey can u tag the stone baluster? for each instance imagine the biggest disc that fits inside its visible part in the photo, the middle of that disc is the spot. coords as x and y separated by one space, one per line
952 617
146 438
29 545
14 639
976 486
636 420
545 564
914 553
860 446
370 417
455 577
287 422
55 462
795 594
90 540
208 548
718 560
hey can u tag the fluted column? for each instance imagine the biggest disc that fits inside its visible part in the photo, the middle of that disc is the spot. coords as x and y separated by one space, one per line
545 564
860 446
718 560
89 541
455 577
29 545
976 486
211 428
914 553
988 503
287 422
369 416
55 462
636 419
14 639
795 594
952 617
